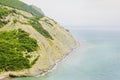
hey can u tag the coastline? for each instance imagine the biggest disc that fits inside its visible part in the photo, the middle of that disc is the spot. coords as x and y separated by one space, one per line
54 66
51 51
43 73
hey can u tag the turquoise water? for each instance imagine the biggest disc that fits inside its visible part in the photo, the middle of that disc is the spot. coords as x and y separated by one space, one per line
98 58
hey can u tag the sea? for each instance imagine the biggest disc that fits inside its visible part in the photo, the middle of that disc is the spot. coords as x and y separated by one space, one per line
97 58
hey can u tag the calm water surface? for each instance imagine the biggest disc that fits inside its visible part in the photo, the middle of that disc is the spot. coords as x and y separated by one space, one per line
98 58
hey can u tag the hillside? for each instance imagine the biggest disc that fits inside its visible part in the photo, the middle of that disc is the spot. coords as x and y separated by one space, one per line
30 44
22 6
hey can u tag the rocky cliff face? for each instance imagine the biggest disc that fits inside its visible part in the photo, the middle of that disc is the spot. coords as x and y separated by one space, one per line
54 42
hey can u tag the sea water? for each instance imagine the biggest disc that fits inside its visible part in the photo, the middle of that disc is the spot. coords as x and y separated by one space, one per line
97 58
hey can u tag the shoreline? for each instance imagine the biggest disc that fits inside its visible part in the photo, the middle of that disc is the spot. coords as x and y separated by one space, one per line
43 73
53 67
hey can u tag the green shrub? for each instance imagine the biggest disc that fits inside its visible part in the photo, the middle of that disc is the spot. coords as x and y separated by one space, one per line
35 24
3 13
12 46
34 61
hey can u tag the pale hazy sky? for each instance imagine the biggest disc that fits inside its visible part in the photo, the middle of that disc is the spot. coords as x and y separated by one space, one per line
82 13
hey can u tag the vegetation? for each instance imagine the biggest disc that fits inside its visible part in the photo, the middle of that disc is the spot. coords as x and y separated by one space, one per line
48 22
35 24
34 61
12 46
2 23
20 5
3 13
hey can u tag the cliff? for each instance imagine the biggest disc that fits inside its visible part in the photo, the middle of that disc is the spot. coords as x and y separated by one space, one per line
30 45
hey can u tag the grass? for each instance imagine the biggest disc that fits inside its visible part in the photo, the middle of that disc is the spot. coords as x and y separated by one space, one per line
21 6
34 61
3 13
35 24
12 45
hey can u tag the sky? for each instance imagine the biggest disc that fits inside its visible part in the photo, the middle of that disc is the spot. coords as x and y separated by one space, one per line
83 14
